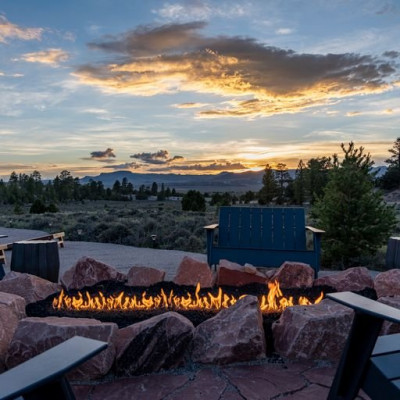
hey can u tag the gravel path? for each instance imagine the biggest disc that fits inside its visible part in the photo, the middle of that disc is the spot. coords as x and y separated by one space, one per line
115 255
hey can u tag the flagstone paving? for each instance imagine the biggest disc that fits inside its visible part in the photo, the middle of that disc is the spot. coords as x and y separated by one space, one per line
260 381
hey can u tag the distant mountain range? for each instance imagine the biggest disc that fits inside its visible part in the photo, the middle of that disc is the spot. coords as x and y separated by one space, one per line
222 182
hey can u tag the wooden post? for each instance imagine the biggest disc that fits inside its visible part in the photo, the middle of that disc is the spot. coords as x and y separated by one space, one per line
36 257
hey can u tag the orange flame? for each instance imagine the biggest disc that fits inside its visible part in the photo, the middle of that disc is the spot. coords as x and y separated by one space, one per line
273 302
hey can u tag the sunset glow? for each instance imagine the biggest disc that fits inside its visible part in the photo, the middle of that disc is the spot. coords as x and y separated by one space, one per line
194 87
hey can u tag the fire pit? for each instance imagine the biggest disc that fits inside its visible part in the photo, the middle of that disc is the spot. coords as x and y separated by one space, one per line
111 301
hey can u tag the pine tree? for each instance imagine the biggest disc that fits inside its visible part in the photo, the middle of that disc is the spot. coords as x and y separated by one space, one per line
270 187
354 215
299 184
391 179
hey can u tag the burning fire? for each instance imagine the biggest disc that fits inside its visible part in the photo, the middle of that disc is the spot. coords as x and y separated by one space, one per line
274 301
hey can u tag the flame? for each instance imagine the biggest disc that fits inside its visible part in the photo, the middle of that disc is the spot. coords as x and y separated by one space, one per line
274 301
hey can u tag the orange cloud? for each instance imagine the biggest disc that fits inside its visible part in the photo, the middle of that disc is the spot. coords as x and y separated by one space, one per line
51 57
258 80
12 31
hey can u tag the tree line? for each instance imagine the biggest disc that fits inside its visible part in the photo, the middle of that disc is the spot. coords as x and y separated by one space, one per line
31 189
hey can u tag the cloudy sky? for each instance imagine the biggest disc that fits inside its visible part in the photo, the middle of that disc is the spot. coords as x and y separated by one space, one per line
196 86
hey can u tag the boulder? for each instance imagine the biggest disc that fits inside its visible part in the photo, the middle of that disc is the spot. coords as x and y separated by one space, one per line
155 344
389 328
234 334
144 276
352 279
12 309
387 283
88 272
294 275
36 335
31 287
233 274
191 272
316 332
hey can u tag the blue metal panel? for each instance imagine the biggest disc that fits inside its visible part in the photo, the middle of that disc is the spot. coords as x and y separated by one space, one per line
224 226
267 227
234 226
288 229
300 230
245 228
277 230
256 227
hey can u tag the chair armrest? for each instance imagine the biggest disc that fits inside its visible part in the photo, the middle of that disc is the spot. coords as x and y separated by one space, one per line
314 230
367 306
211 227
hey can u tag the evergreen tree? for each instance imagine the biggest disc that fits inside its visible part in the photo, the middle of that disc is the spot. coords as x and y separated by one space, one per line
354 215
282 179
391 179
317 176
193 200
299 184
270 187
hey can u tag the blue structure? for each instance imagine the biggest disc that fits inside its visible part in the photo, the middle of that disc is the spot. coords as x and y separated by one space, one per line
262 236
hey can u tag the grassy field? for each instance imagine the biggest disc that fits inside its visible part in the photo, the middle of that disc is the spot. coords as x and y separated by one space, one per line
130 223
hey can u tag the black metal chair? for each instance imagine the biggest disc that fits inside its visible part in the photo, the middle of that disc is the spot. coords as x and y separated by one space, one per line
43 377
369 361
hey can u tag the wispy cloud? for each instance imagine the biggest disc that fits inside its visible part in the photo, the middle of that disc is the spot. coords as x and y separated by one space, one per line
200 10
52 57
129 166
204 167
259 80
9 30
160 157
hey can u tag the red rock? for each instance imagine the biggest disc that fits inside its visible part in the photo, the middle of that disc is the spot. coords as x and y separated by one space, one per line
294 275
192 271
144 276
352 279
233 274
12 309
389 328
31 287
234 334
88 272
388 283
155 344
316 332
35 335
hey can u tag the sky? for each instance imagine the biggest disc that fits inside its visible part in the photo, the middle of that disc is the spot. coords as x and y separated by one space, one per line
196 86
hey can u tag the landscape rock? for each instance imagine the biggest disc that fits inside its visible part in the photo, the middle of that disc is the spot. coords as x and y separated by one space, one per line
32 288
233 274
12 309
192 271
155 344
388 327
36 335
352 279
88 272
316 332
294 275
234 334
387 283
144 276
